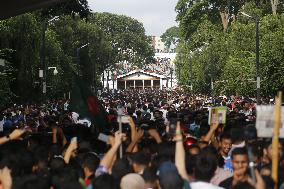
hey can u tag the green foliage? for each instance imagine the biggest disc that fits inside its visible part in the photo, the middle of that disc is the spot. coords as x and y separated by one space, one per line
21 42
228 58
127 37
171 36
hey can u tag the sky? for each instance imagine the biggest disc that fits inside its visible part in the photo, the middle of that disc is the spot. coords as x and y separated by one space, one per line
156 15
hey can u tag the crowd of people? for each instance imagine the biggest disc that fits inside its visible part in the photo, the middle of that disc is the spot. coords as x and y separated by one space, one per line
162 66
162 141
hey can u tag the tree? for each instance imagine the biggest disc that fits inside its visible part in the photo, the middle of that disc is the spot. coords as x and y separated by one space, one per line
274 4
72 34
127 37
22 35
171 37
192 12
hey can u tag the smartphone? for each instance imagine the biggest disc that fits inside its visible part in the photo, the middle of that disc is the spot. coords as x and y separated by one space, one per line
103 137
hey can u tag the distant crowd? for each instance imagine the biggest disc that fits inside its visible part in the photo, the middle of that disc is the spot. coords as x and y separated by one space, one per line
162 140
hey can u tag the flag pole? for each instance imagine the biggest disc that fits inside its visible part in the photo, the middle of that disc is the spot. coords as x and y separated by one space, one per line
275 139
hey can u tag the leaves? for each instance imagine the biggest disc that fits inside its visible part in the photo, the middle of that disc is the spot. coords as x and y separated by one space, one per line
127 37
228 58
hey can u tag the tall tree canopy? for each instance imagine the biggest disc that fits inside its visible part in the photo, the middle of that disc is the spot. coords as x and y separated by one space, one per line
228 58
171 37
127 37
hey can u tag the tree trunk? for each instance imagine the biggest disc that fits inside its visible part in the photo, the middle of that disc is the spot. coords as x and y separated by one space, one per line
274 4
225 19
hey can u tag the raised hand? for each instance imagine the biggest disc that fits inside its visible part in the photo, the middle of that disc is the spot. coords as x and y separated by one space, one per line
16 134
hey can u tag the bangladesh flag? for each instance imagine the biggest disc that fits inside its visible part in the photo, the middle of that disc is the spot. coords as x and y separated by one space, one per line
87 105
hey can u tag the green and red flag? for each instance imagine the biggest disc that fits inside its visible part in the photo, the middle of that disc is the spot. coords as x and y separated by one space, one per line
87 105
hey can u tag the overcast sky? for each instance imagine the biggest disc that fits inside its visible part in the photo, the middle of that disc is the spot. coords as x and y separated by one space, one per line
156 15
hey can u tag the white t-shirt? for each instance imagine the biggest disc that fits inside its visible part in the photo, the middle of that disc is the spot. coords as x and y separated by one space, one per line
203 185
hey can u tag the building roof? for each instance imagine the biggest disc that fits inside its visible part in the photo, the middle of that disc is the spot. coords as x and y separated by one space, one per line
142 72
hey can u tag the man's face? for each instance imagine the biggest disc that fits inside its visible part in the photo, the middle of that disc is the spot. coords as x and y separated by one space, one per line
225 146
269 151
157 114
240 161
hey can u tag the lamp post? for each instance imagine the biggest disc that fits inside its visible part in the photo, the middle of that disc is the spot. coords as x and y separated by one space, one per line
55 72
190 72
42 72
256 55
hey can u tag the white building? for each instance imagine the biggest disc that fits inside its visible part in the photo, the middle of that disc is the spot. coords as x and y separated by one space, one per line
155 75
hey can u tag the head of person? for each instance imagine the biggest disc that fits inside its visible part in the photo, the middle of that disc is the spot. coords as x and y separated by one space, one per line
206 165
121 168
193 149
90 163
240 159
157 114
237 135
105 181
150 177
225 144
250 134
133 181
139 161
29 182
168 176
267 151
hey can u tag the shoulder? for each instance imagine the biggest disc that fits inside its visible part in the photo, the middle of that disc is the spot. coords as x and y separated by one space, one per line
227 183
199 185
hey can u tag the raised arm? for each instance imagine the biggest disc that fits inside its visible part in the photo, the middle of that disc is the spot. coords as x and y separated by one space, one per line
211 132
154 133
180 153
138 135
107 160
72 146
17 133
133 128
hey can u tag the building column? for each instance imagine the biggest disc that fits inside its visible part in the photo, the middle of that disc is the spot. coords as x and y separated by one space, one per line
161 83
125 84
134 83
151 84
143 84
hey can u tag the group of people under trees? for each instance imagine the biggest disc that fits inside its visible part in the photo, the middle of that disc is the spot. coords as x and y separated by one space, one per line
165 142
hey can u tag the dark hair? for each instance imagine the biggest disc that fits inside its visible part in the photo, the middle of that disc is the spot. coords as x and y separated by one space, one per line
225 135
91 161
121 168
239 151
192 146
149 174
190 163
63 177
237 134
105 181
30 182
206 165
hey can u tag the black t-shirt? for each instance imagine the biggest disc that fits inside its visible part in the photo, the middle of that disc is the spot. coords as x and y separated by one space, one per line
228 184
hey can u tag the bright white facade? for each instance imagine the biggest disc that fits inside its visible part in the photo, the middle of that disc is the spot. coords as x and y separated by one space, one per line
159 74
